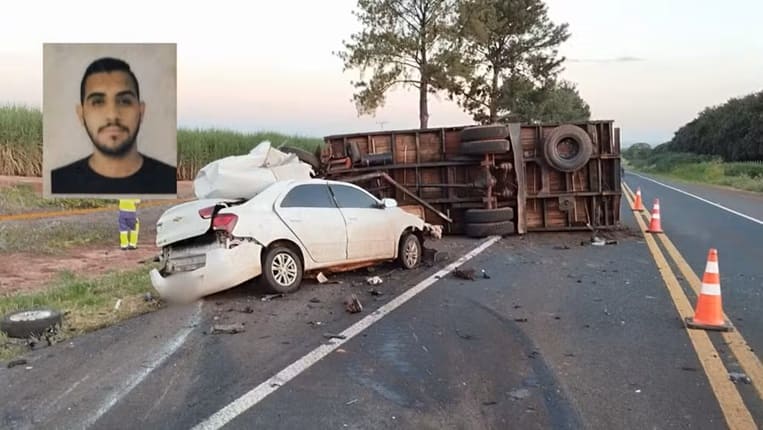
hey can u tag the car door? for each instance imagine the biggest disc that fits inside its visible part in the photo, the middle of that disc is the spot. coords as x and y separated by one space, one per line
369 228
311 214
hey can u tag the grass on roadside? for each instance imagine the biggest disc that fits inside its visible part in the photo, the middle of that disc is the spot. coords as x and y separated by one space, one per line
87 304
54 237
23 198
20 141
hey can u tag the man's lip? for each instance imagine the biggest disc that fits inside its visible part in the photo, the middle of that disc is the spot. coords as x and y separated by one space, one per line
113 130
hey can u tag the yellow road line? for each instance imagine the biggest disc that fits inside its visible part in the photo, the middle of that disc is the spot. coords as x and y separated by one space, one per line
72 212
734 410
736 342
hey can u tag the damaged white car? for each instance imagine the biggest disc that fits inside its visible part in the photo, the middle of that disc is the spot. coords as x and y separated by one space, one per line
289 228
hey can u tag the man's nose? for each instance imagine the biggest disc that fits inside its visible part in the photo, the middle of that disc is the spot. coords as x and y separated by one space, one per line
112 111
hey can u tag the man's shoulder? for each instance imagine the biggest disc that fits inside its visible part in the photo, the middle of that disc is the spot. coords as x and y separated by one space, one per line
152 164
163 176
74 167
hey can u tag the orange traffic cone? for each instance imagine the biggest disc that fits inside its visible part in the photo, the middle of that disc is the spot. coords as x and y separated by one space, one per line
708 314
654 225
637 205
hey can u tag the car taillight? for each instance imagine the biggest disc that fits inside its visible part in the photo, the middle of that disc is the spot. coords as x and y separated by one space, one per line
206 213
224 222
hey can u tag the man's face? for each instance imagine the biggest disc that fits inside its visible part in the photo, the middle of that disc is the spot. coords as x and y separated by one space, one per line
111 112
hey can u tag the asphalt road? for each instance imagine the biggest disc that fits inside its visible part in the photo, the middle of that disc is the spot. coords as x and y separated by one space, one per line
562 335
695 226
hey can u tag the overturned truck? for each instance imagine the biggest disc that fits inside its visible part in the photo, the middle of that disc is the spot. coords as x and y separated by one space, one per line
494 179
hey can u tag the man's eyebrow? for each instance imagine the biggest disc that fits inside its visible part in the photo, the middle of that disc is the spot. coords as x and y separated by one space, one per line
94 95
127 93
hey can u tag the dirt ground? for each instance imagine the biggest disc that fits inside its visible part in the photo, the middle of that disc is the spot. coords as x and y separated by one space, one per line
29 271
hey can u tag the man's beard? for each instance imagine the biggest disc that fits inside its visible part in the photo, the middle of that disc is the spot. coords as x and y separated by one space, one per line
118 151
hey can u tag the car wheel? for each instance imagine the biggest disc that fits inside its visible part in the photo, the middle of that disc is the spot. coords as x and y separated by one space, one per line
568 148
409 254
28 323
282 270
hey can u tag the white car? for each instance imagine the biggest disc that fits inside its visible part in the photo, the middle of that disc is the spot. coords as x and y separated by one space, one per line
289 228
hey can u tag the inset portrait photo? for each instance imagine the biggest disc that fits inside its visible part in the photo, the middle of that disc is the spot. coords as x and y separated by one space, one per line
110 120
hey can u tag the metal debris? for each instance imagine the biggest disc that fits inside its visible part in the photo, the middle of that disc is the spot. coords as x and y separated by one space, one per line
321 278
334 336
374 280
352 304
484 274
227 329
739 377
270 297
351 402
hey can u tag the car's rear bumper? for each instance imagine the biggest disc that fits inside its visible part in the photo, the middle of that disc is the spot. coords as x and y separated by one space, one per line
223 269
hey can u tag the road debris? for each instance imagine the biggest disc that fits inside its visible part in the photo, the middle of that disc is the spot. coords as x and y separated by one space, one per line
562 247
352 304
269 297
689 369
484 274
465 336
118 304
321 278
739 377
374 280
430 256
315 323
351 402
148 297
315 300
227 329
467 273
520 393
375 292
520 319
490 403
334 336
14 363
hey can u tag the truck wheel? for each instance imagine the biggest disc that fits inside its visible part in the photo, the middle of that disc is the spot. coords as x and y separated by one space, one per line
568 148
490 229
409 252
484 132
482 147
35 322
477 216
303 155
282 270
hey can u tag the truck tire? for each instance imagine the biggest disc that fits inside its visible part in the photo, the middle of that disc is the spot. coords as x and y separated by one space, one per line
484 132
478 216
482 147
568 148
23 324
303 155
490 229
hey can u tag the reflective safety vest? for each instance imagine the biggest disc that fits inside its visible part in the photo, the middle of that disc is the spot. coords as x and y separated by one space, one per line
128 205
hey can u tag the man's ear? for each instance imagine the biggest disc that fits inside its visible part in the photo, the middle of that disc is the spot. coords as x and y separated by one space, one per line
78 108
142 109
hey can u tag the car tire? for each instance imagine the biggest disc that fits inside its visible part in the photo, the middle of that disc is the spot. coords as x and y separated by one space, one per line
482 147
409 251
303 156
478 216
484 132
36 322
578 137
490 229
282 269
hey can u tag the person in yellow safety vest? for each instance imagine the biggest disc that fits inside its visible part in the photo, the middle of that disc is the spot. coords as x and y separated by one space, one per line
128 224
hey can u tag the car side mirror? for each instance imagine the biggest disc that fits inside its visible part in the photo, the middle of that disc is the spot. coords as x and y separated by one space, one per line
389 203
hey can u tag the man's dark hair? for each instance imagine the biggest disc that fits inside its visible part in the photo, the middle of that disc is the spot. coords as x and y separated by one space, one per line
106 65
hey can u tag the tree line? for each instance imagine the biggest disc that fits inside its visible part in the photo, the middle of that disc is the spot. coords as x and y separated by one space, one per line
733 131
498 59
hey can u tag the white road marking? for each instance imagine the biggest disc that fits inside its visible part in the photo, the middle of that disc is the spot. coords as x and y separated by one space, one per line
257 394
158 358
747 217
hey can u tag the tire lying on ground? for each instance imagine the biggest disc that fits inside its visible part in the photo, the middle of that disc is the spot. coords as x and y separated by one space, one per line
303 155
482 147
489 229
484 132
478 216
23 324
567 148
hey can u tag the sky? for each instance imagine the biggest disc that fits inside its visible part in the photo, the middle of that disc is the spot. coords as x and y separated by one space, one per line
649 65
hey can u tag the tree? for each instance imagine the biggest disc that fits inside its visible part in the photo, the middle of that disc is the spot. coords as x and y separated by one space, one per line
403 42
506 45
554 102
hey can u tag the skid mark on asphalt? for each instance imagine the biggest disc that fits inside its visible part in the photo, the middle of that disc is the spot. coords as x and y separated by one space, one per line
260 392
735 341
747 217
735 412
155 361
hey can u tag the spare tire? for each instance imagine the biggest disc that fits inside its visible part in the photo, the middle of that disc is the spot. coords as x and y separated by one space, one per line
489 229
36 322
482 147
477 216
484 132
303 155
568 148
